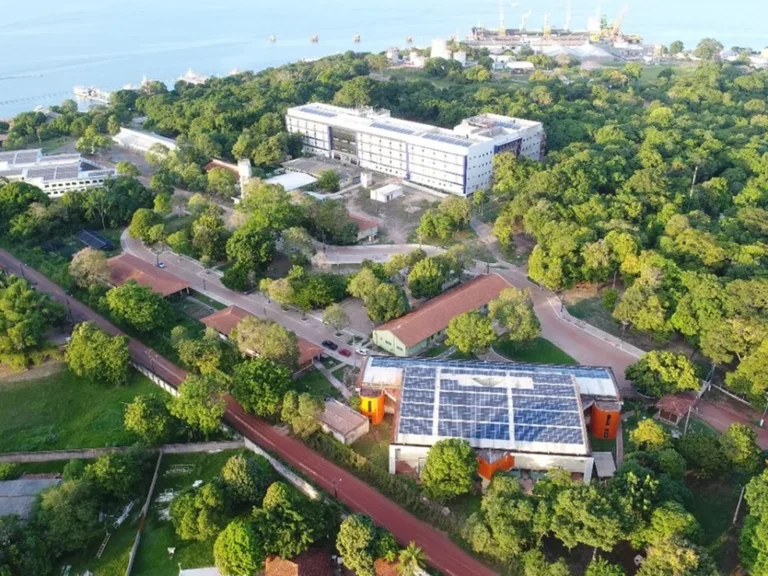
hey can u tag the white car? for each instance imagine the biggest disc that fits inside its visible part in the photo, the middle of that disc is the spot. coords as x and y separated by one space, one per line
161 264
362 351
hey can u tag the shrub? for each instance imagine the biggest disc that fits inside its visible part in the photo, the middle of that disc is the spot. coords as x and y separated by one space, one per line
610 297
9 471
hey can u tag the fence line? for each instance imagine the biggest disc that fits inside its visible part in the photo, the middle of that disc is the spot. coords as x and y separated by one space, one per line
143 517
92 453
285 472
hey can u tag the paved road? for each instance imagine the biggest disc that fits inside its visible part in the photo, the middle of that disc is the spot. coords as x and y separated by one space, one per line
442 553
309 326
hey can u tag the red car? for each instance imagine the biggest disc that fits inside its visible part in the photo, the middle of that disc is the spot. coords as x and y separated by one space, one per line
344 352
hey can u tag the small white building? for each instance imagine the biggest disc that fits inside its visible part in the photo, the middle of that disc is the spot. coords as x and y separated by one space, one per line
461 58
200 572
55 174
416 60
520 66
500 60
393 55
387 193
440 49
140 141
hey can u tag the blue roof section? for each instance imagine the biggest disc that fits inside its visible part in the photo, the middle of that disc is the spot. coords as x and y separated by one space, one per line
491 404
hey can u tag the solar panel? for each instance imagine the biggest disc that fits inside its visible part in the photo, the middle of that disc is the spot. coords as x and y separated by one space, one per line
67 172
318 111
553 404
25 157
94 240
510 125
392 128
415 426
545 418
44 173
549 434
448 139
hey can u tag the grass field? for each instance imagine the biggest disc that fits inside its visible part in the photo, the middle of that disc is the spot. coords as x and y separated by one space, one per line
317 385
375 445
64 411
159 535
540 351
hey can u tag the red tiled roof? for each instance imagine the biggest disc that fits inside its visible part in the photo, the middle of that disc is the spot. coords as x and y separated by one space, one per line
363 223
224 321
677 404
127 267
435 315
384 568
313 562
220 164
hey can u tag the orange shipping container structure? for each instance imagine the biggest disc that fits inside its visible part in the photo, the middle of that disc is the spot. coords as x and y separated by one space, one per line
605 420
372 405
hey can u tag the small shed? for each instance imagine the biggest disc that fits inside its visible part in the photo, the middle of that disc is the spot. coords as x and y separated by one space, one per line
675 407
387 193
604 464
342 422
520 66
292 180
367 230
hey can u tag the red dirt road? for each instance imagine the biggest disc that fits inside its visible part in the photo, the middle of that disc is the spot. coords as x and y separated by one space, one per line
442 553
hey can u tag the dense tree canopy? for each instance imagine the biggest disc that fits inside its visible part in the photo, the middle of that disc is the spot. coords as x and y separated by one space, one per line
450 469
94 354
138 306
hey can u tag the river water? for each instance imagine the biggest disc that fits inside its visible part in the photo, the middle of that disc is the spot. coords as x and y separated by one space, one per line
48 46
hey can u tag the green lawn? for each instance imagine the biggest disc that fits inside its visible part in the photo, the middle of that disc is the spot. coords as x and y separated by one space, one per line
592 311
541 351
64 411
215 304
317 385
375 445
713 505
339 374
436 350
159 535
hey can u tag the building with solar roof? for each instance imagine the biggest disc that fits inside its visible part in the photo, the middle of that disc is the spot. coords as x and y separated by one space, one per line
55 174
458 161
526 417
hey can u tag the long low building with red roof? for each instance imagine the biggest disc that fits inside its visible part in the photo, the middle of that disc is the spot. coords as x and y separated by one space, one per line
413 333
126 267
226 320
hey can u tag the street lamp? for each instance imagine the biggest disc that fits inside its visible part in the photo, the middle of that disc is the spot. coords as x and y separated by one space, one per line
336 482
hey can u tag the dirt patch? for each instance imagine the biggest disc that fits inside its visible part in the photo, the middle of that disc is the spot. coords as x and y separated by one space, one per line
397 218
9 376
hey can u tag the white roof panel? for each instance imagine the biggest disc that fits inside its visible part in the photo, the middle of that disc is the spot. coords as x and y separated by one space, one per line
292 180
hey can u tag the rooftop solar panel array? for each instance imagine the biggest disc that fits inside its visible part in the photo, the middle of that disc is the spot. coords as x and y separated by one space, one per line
318 111
449 139
392 128
526 403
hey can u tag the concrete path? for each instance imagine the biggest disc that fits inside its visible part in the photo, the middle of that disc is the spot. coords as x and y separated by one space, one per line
91 453
332 379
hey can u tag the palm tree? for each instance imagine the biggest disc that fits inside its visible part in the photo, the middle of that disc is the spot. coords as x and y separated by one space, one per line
411 559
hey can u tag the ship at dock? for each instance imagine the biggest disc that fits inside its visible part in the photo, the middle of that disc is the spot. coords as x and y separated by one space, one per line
92 94
598 31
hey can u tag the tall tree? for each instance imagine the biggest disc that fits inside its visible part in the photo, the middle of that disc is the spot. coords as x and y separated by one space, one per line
246 478
139 306
200 404
93 354
450 469
471 332
259 385
266 339
411 560
149 418
89 268
355 542
239 549
513 310
660 372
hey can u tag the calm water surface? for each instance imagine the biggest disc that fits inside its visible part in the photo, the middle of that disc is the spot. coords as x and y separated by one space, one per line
48 46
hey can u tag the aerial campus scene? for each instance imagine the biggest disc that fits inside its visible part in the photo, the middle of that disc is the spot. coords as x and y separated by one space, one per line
459 288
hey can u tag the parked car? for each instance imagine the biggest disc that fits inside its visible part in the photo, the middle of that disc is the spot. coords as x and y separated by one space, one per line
161 264
362 351
330 345
344 352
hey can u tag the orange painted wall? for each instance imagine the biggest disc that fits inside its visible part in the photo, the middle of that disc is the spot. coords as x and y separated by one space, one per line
605 423
486 470
373 407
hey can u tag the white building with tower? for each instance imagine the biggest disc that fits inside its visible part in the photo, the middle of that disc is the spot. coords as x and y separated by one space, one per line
458 161
55 174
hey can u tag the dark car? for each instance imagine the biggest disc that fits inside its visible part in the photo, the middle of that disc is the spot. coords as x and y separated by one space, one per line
330 345
344 352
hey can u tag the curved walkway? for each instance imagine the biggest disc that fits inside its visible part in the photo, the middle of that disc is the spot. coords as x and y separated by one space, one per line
442 553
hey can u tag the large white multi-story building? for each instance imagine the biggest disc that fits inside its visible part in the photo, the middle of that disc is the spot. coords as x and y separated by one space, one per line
54 174
458 161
